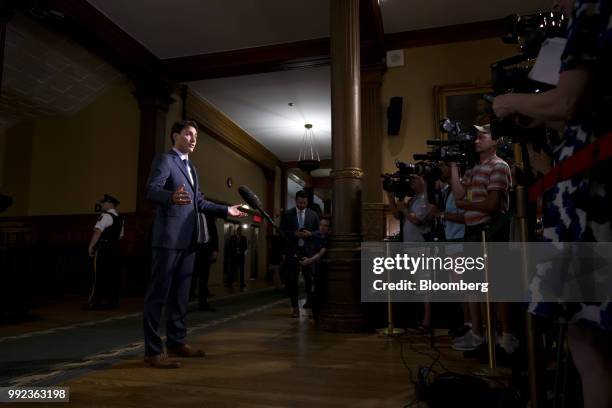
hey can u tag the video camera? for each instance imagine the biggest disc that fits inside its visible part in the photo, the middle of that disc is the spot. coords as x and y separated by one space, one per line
511 74
529 31
398 183
458 148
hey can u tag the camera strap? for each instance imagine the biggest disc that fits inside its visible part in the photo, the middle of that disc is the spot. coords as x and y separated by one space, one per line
583 160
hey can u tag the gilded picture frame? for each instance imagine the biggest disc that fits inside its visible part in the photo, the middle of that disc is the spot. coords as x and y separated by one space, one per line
462 102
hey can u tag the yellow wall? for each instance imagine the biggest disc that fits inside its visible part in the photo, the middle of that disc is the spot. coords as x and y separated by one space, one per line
17 167
426 67
75 160
216 162
92 153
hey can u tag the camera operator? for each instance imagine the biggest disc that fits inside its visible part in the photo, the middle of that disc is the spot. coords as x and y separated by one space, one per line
414 211
483 194
578 209
415 214
453 223
452 218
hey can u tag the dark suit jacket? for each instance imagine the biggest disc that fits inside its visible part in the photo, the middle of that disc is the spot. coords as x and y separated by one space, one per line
175 226
289 224
236 247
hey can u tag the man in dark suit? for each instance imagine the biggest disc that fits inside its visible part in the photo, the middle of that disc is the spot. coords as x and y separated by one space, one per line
298 224
173 186
238 246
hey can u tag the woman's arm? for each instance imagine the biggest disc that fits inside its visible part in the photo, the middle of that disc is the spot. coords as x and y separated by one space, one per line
557 104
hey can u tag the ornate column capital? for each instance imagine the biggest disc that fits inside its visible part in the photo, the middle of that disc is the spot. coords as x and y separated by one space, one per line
347 173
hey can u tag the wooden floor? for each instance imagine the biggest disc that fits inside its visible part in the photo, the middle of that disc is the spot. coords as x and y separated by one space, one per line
270 360
66 310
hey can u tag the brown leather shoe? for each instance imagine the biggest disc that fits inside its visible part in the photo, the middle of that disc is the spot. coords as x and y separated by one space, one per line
160 361
186 351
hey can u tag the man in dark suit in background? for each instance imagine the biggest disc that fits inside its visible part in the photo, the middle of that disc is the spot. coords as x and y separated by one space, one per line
238 247
228 261
173 186
298 224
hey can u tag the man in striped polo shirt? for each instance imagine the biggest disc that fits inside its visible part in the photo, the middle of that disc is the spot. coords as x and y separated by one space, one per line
483 193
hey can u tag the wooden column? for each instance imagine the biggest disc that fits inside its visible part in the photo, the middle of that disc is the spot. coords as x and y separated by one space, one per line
373 219
7 10
342 309
153 102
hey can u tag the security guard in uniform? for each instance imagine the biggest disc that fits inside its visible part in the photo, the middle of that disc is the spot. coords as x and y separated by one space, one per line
104 248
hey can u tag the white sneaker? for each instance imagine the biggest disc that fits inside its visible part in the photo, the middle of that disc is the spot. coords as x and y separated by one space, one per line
508 342
468 342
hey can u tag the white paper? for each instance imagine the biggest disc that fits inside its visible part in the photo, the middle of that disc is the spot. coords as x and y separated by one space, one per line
546 68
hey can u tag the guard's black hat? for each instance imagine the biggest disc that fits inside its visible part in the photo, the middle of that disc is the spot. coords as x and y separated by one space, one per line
110 199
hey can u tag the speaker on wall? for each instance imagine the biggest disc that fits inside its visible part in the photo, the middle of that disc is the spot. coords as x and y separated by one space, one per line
394 115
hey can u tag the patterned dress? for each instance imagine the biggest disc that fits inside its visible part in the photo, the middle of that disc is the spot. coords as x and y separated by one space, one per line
579 209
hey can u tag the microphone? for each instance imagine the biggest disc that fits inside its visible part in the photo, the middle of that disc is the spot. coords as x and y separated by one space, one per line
254 202
251 199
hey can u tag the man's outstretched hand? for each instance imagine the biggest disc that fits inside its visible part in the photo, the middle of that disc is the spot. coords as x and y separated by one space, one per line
234 211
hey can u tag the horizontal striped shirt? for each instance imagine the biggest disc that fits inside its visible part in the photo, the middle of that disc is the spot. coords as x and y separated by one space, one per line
492 175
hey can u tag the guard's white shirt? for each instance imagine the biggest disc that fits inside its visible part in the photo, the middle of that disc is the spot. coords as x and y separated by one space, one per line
106 221
184 156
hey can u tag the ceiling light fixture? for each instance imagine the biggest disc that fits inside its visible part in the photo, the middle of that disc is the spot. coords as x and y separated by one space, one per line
309 159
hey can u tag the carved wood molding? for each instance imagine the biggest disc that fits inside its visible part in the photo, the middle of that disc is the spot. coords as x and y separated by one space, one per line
447 34
223 129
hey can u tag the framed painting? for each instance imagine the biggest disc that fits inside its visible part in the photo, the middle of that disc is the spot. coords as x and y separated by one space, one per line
463 103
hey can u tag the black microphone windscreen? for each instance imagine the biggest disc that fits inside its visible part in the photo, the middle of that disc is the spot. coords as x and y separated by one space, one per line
250 198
